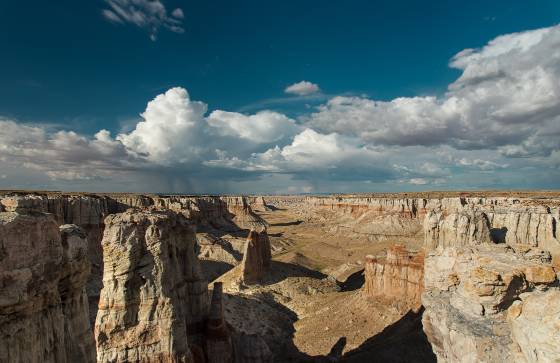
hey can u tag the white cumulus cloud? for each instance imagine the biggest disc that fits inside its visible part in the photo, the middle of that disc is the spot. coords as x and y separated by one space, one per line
62 153
172 129
334 155
303 88
262 127
497 122
507 98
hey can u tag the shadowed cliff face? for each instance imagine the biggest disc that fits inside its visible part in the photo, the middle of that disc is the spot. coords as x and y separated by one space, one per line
154 304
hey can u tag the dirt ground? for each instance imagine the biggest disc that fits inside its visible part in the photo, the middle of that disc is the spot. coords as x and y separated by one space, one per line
304 310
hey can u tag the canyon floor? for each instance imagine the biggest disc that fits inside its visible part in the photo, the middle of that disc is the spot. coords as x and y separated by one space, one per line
393 278
311 305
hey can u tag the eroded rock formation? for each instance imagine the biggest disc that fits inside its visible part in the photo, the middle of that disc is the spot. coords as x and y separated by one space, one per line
154 304
534 325
398 277
478 293
256 257
467 227
153 300
213 215
209 212
519 220
218 340
43 304
492 291
258 203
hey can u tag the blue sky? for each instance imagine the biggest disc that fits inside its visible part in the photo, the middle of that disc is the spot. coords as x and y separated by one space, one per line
76 69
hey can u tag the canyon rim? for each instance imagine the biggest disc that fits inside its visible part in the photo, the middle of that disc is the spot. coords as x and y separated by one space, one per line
400 277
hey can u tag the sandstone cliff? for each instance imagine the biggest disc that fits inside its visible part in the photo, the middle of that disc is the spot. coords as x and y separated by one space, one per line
397 278
259 204
154 304
491 288
478 293
256 257
153 300
521 220
467 227
534 324
43 304
222 213
213 215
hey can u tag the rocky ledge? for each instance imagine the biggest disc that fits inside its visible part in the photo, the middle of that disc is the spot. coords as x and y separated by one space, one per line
487 302
43 302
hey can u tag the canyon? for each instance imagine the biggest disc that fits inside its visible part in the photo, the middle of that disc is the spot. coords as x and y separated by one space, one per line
393 277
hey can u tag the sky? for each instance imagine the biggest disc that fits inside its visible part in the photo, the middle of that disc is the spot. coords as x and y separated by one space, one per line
280 97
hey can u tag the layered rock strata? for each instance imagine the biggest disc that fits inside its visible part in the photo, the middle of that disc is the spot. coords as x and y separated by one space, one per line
43 273
467 227
258 203
222 213
154 301
154 304
256 257
211 213
535 325
522 220
486 301
398 277
489 277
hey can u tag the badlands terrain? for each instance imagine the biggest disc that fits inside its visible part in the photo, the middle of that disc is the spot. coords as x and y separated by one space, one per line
404 277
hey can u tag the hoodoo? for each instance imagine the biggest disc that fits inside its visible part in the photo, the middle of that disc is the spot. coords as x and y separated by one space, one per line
256 257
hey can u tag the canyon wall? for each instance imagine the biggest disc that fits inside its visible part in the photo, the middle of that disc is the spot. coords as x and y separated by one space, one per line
522 221
154 304
399 277
491 290
489 280
486 301
153 300
44 296
43 273
214 214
